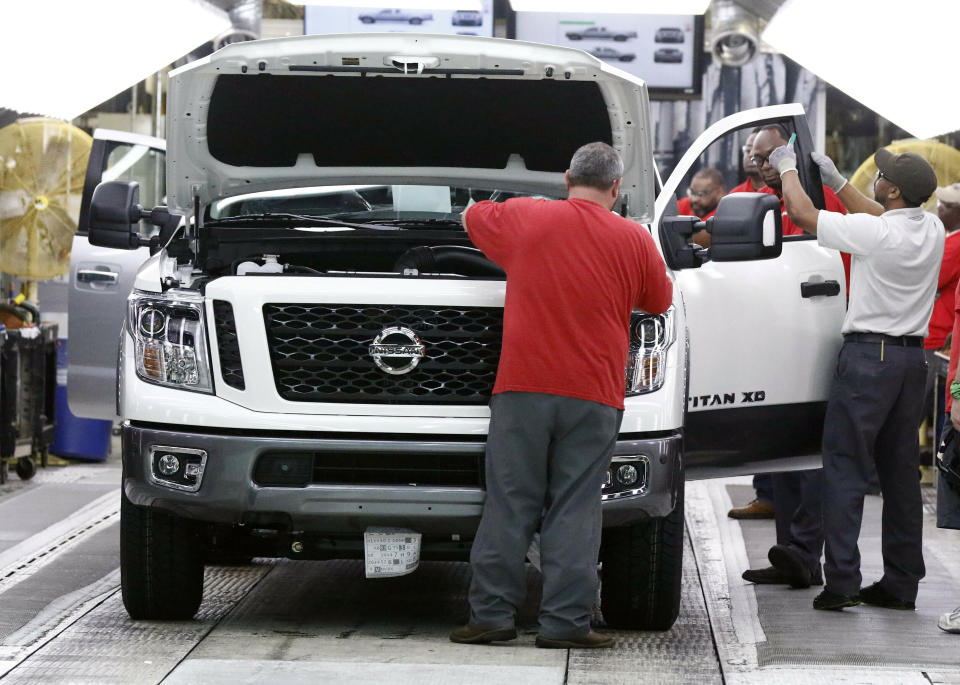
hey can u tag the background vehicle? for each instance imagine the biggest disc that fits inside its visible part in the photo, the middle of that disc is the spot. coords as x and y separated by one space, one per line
668 55
408 16
601 33
669 34
611 54
308 354
467 18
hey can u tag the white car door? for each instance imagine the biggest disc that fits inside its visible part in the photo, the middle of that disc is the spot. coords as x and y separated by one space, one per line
764 335
101 278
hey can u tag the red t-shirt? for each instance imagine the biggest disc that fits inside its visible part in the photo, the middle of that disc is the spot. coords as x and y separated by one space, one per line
575 270
684 209
941 320
954 349
831 204
745 187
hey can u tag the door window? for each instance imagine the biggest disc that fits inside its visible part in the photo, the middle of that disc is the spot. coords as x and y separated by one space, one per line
146 166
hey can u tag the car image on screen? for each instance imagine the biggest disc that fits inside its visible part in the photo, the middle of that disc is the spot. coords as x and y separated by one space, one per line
466 18
668 55
669 34
601 33
612 55
406 16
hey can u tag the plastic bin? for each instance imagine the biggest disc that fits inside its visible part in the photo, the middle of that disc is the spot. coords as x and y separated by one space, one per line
73 436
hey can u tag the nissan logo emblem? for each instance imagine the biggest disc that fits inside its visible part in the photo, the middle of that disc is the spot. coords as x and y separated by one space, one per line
396 350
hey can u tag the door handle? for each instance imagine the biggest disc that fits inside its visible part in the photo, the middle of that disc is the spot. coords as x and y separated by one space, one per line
94 276
815 288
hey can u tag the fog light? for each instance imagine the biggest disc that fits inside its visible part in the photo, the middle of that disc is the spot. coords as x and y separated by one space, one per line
168 465
627 474
607 479
180 468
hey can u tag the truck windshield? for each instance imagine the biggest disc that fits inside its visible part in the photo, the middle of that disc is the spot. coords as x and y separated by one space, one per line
394 204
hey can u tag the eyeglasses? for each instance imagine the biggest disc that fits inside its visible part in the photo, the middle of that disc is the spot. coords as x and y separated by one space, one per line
760 160
699 193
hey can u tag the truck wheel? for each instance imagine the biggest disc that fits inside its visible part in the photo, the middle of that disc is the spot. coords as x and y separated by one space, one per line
161 563
642 569
416 21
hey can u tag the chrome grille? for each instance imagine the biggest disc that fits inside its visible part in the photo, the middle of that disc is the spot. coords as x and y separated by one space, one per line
320 353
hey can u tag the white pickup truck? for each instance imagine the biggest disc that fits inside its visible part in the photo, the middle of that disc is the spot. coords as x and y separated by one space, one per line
308 344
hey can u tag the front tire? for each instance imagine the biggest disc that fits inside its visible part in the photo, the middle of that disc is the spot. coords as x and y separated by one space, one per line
161 563
642 572
416 21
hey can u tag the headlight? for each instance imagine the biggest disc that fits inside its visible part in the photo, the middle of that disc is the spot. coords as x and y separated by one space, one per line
651 336
170 339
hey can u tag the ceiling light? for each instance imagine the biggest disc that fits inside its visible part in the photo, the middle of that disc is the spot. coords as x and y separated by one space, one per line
72 56
612 6
896 60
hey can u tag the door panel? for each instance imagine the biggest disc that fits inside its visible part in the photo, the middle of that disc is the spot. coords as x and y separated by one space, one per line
101 278
764 335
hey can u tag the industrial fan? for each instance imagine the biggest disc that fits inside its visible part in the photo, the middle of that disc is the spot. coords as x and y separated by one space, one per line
944 159
42 167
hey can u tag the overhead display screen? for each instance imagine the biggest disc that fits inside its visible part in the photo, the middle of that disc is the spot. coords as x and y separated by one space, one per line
665 50
391 20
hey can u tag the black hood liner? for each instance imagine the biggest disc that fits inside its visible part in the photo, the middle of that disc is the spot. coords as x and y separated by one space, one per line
268 120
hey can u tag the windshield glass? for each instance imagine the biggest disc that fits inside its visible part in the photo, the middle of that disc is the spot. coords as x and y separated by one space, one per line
360 203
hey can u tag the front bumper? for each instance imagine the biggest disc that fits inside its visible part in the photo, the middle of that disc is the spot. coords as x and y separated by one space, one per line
227 493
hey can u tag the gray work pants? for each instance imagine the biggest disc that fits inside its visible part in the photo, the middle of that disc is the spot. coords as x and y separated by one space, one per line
872 418
545 460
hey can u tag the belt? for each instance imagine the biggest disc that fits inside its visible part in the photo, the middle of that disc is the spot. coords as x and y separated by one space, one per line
904 340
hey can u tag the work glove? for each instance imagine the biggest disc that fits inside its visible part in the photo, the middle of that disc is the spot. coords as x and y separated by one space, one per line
784 159
828 171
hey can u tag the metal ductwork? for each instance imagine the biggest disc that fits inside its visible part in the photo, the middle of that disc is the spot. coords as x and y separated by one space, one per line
245 17
735 33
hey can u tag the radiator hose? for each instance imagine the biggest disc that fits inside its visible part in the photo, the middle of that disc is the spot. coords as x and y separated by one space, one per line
467 261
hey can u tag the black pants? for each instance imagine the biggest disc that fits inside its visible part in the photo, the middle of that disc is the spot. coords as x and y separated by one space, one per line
872 418
798 505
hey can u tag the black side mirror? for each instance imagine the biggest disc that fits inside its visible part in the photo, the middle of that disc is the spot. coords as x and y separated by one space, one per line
746 227
678 251
114 214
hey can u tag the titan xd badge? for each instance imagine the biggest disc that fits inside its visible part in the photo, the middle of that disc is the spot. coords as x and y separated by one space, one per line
397 350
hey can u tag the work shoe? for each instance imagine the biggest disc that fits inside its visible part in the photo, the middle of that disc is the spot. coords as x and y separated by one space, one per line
757 509
878 596
950 622
831 601
591 640
765 576
791 564
481 635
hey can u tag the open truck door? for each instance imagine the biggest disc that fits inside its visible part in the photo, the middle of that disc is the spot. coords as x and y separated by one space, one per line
764 335
101 278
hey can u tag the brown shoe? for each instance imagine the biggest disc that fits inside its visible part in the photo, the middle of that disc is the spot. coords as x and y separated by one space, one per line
481 635
591 640
755 510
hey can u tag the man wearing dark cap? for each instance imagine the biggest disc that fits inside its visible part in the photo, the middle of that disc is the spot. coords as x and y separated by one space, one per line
877 394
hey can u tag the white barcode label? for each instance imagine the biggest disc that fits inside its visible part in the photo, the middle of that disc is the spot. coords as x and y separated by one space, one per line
390 552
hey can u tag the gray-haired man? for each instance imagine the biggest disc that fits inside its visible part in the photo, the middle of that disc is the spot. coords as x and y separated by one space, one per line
574 272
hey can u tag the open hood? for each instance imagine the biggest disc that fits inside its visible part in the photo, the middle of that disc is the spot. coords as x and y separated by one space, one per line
402 109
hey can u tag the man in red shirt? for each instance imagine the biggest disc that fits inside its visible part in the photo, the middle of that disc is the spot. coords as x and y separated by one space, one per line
941 321
769 138
706 189
575 270
753 183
